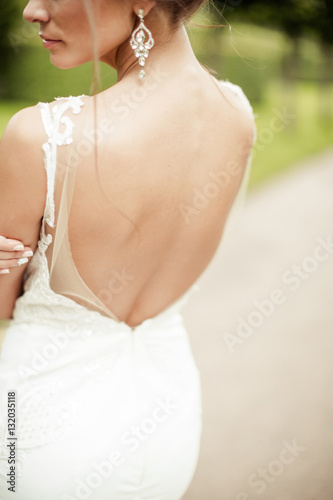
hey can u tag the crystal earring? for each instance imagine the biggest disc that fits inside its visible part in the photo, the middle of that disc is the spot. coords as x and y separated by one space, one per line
141 48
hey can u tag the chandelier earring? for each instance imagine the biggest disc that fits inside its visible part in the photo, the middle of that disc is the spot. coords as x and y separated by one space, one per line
139 44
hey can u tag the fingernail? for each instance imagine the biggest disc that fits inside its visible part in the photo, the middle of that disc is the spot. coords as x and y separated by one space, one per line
20 248
28 253
4 271
22 261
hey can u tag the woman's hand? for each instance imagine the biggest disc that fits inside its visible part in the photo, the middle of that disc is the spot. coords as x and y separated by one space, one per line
12 254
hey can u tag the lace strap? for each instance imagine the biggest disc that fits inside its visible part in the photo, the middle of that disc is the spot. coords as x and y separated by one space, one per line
52 120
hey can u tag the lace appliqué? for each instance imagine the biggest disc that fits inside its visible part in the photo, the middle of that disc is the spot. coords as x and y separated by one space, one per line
38 299
52 122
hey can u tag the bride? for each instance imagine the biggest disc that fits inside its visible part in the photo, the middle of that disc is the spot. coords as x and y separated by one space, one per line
112 206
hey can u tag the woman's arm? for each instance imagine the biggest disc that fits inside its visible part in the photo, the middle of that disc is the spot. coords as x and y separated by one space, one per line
22 194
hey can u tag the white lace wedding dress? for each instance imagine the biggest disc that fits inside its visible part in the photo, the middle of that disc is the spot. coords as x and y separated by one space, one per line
103 411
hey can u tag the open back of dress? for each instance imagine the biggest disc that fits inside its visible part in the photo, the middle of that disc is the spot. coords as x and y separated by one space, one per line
64 276
78 375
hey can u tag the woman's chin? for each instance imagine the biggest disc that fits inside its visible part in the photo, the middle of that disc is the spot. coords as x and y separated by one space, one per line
62 63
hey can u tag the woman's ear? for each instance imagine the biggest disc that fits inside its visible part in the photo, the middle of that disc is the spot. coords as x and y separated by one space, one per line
146 5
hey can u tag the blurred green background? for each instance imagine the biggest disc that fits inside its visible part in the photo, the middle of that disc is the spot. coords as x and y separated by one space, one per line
279 52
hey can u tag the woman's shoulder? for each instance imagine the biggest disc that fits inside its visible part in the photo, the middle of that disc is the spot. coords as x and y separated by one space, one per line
30 126
26 124
54 109
23 132
239 92
63 100
242 109
236 91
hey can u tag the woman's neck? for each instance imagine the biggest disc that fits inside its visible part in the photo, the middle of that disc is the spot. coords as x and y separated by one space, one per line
170 54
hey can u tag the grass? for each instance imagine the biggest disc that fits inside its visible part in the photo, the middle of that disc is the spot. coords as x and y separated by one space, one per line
305 134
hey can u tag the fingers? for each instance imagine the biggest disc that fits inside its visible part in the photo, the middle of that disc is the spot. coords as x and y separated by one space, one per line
10 258
9 245
6 266
6 256
14 262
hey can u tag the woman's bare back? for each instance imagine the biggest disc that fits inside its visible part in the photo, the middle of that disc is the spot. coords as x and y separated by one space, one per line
171 159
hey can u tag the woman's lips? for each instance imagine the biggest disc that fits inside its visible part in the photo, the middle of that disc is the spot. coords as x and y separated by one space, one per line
48 42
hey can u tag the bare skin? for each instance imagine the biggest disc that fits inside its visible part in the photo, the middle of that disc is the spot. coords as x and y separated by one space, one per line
160 159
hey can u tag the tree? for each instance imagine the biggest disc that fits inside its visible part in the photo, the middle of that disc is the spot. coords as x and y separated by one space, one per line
295 18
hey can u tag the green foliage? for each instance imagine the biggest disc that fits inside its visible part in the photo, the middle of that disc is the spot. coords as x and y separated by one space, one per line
9 14
8 109
323 22
294 17
34 78
303 134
